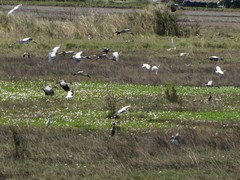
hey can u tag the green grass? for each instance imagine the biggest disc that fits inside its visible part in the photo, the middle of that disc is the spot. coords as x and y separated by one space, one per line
150 108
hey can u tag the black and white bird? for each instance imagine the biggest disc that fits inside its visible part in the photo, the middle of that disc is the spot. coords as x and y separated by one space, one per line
105 50
124 31
219 70
155 69
24 41
215 58
175 140
14 9
173 45
102 56
48 90
64 85
113 129
52 54
82 73
174 7
26 54
210 97
48 122
209 83
64 53
70 94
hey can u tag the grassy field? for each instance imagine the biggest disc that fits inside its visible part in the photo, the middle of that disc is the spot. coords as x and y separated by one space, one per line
78 143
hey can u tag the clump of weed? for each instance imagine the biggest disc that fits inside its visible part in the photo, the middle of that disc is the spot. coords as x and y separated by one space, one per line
167 24
171 94
111 104
19 144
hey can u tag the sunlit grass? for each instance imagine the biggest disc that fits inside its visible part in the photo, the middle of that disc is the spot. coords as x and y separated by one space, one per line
88 108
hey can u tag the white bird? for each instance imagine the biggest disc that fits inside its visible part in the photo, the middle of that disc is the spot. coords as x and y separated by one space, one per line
70 94
78 56
116 56
184 54
124 109
218 70
24 41
14 9
173 46
209 83
48 122
155 69
48 90
215 58
127 31
52 55
175 140
147 66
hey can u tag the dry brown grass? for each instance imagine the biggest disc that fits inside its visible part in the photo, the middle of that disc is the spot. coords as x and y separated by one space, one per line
180 71
77 153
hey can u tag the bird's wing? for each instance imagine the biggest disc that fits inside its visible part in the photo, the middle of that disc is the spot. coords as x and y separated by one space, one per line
218 68
55 49
15 8
115 56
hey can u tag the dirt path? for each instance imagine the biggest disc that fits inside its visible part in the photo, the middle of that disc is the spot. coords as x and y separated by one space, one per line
206 18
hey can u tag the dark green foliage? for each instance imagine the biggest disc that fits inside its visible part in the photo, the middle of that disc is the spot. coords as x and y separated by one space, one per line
111 104
167 24
171 94
19 145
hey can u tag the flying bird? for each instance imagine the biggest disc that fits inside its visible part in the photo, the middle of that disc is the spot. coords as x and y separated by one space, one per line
124 31
215 58
52 55
105 50
48 122
146 66
174 7
64 85
48 90
116 56
219 70
70 94
173 46
78 57
24 41
125 109
14 9
155 69
82 73
183 54
67 53
175 140
209 83
113 129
